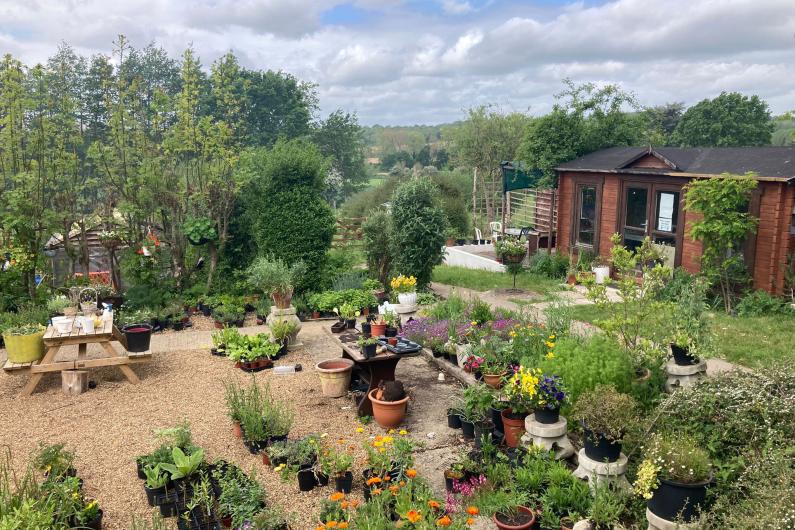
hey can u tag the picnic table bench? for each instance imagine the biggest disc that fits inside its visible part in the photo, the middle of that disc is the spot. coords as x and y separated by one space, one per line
53 340
371 370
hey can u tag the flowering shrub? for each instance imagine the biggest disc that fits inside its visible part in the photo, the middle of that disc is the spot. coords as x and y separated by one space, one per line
403 284
432 335
522 388
676 458
509 246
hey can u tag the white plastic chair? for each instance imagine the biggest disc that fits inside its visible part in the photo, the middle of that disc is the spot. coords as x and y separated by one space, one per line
478 234
496 230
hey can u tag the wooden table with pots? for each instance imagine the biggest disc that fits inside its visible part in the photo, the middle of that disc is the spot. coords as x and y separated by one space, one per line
102 334
372 370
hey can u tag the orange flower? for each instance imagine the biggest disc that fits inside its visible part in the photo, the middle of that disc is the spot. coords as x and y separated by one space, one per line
433 504
373 480
411 473
473 510
413 516
343 524
387 478
377 491
344 505
402 483
394 489
338 496
470 521
354 503
444 521
331 524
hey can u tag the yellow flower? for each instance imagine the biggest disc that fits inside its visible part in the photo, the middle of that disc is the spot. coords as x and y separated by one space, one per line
512 334
388 439
391 431
550 355
403 432
359 429
474 323
550 344
381 450
378 443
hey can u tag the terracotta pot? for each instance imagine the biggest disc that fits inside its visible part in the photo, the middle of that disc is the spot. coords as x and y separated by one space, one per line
571 279
237 430
493 380
335 376
526 526
266 460
514 428
392 341
377 330
388 414
282 300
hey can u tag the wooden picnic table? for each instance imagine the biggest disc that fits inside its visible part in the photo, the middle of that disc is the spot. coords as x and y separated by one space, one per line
53 340
373 370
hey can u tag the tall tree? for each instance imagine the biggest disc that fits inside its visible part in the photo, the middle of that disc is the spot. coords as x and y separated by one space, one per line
341 139
729 120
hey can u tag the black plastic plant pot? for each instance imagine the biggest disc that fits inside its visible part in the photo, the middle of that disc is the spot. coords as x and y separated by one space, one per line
254 447
139 468
351 323
338 327
545 415
467 429
450 481
168 509
138 337
682 357
369 350
599 448
496 419
206 310
453 419
674 500
482 429
306 480
274 439
152 494
95 524
322 479
344 483
437 352
390 332
460 242
366 328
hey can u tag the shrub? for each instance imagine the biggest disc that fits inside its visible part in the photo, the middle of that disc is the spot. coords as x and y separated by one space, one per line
291 220
585 363
377 233
418 229
550 264
606 411
760 303
673 457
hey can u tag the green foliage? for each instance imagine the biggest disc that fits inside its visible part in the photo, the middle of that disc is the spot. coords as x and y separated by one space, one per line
418 227
328 300
199 229
584 363
340 138
377 231
690 328
678 458
606 411
724 224
761 303
274 276
184 465
550 264
290 219
729 120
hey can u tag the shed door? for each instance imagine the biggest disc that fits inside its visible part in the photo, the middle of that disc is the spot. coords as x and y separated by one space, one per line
653 210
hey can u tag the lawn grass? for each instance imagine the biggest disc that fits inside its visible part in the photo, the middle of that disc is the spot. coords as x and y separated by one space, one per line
750 341
480 280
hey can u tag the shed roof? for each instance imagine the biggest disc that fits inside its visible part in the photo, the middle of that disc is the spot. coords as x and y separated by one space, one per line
769 162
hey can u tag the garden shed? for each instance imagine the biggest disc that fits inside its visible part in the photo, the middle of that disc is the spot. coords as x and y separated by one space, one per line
638 192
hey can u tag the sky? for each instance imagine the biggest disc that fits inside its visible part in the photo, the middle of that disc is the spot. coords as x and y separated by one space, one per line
404 62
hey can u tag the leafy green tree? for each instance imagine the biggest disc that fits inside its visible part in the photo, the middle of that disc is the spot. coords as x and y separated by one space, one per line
418 229
722 229
277 105
377 234
729 120
340 138
661 121
290 219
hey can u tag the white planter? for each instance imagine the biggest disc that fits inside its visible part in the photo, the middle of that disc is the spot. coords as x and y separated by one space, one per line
601 274
407 299
463 353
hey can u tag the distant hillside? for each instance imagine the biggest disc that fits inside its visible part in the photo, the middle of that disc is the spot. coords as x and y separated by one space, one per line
381 140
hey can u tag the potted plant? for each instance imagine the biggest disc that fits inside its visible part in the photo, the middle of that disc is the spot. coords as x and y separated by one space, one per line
282 332
340 464
606 416
24 343
494 365
690 327
156 481
235 402
89 515
510 250
454 418
275 278
607 506
200 509
368 346
520 392
406 289
389 404
674 477
392 323
549 399
601 270
348 313
57 304
476 402
378 326
335 376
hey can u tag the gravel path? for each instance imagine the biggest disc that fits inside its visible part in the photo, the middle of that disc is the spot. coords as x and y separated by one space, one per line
110 425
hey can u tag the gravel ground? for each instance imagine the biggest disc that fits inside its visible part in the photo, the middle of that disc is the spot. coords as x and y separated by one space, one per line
110 425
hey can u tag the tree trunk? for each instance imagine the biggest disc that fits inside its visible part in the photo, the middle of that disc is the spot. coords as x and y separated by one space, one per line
84 250
213 263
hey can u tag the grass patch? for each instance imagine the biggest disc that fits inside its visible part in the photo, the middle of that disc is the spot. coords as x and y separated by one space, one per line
480 280
750 341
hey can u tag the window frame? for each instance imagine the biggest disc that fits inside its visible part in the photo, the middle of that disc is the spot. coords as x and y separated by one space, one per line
579 182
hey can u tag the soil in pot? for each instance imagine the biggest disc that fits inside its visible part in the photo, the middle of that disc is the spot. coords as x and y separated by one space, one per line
513 427
672 500
599 448
344 483
335 376
388 414
453 419
547 416
522 519
138 337
682 357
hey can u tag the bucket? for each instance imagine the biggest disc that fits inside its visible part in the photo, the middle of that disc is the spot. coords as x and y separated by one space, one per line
138 337
24 348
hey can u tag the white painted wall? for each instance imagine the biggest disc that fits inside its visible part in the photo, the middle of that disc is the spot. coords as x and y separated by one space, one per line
459 257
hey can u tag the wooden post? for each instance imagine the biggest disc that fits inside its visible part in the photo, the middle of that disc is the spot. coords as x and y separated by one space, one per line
74 382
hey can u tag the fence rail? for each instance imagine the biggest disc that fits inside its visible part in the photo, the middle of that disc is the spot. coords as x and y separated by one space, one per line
349 232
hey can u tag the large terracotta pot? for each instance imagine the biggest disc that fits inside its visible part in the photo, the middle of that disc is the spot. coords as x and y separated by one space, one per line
525 526
388 414
377 330
493 380
514 428
335 376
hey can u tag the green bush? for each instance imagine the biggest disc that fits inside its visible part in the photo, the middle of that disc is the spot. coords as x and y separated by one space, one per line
418 229
761 303
328 300
290 219
549 264
585 363
377 233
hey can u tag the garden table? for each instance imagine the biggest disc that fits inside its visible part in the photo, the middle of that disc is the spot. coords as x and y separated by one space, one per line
373 370
53 340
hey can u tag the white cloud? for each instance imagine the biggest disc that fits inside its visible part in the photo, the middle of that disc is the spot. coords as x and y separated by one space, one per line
405 65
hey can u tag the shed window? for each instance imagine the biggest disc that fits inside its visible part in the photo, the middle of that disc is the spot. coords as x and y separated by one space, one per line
586 218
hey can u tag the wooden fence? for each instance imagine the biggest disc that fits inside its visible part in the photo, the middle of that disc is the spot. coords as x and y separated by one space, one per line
349 232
